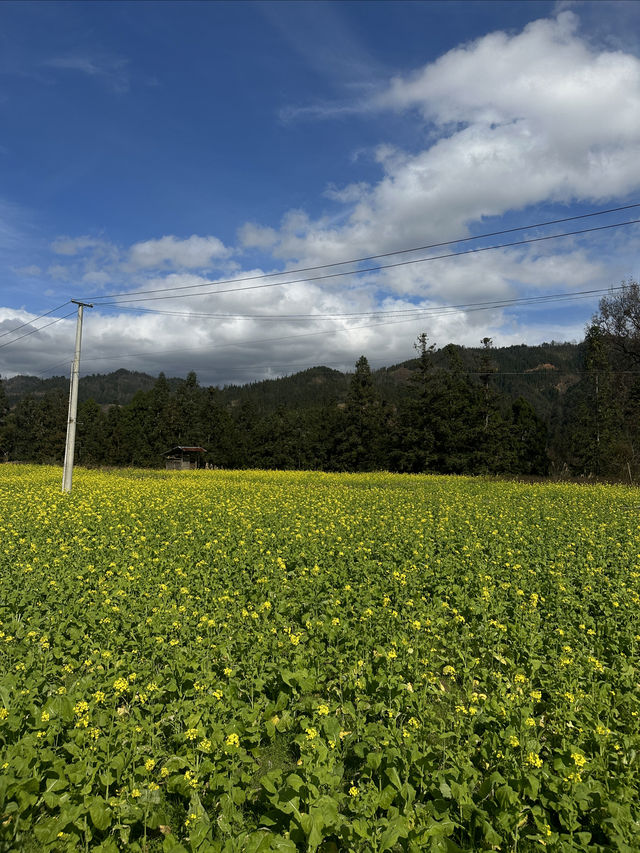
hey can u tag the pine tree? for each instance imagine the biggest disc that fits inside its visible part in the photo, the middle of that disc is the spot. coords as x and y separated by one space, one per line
360 444
413 435
91 441
4 433
162 424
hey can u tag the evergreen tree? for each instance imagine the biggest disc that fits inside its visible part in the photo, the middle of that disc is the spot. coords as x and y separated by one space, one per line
4 413
599 421
360 447
117 437
187 404
136 425
162 417
455 417
413 438
487 368
246 451
529 440
218 431
39 428
91 441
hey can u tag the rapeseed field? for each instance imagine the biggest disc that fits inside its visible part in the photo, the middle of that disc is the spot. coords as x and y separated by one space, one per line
262 661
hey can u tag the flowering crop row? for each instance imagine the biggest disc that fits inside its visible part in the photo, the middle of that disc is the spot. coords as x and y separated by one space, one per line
260 661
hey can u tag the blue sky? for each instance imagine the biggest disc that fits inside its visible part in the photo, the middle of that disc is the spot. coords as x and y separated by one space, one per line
147 146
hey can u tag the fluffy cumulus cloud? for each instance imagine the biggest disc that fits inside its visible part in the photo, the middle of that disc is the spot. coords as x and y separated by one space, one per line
252 236
193 253
542 104
513 121
510 121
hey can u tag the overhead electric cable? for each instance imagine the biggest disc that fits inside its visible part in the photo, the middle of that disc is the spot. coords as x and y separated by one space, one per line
356 314
370 269
297 270
417 314
349 330
29 322
35 331
64 363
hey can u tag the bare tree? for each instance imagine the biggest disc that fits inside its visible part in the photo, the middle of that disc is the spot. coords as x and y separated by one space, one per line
619 320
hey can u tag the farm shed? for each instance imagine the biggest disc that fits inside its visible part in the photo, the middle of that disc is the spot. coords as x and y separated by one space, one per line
184 458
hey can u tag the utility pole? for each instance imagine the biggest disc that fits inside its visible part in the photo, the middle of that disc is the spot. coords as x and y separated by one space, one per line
70 447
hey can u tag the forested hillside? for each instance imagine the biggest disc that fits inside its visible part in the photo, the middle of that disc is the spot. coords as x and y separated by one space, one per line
559 408
533 372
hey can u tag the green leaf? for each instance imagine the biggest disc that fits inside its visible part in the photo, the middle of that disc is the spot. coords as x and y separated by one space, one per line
294 781
238 796
46 831
100 814
386 797
312 828
108 846
392 775
532 786
117 765
360 827
326 808
107 778
199 831
490 835
284 845
397 828
172 845
269 780
258 842
374 759
445 790
506 796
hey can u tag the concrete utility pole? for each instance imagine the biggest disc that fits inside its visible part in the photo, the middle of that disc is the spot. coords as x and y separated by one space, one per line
70 447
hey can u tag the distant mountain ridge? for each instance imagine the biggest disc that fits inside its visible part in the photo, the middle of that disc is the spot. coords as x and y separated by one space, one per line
540 374
117 388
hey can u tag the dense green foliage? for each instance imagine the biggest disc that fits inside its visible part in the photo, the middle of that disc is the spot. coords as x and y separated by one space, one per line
441 419
244 662
572 410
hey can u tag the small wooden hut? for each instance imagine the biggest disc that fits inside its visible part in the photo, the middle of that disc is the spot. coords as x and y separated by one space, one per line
184 458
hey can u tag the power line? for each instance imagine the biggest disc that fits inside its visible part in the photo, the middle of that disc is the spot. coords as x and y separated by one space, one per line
496 303
65 363
207 348
533 372
35 319
365 269
416 314
297 270
35 331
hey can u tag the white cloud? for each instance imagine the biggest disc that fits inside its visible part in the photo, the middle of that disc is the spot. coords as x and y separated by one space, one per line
512 121
254 236
96 277
350 193
232 349
76 245
193 253
59 272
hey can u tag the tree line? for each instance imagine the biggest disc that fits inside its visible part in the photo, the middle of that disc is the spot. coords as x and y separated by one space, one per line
444 418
